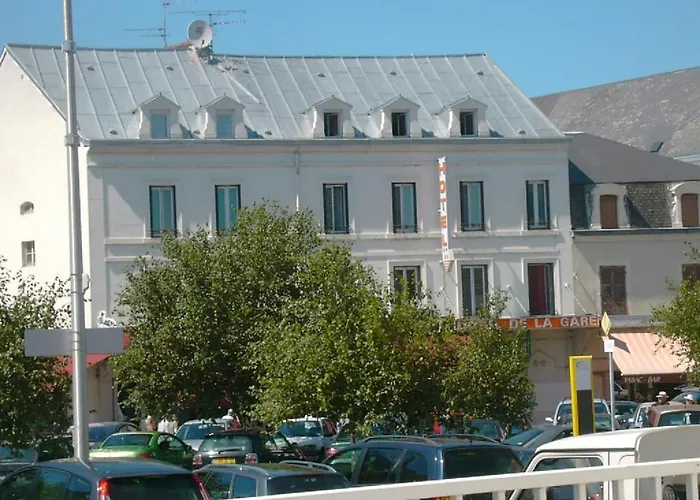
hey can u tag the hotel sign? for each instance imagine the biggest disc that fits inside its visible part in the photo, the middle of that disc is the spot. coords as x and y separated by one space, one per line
550 322
444 226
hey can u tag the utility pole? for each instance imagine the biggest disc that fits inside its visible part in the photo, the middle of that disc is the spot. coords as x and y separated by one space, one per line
80 414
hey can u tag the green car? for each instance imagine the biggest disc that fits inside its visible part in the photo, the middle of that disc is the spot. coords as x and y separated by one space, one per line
156 445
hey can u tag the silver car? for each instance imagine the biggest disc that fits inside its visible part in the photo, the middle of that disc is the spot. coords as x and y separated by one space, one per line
193 432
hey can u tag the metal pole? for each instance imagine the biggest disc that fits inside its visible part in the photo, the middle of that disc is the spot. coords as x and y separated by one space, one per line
612 390
80 423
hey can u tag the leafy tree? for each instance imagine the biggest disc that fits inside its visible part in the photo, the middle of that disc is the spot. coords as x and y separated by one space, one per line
677 320
34 391
489 378
193 314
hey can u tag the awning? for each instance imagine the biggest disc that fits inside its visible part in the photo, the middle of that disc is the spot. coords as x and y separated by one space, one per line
92 359
638 354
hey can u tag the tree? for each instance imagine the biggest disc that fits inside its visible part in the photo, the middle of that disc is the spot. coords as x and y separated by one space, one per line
489 377
192 315
677 319
34 391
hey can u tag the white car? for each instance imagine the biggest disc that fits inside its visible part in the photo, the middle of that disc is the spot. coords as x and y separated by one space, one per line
564 409
193 432
313 435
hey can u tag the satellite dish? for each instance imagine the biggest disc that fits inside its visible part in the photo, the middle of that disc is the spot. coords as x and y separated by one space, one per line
199 33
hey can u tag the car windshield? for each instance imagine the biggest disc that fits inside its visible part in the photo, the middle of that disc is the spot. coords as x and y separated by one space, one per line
229 442
679 418
625 408
475 461
198 431
99 433
565 409
488 428
116 440
7 454
308 428
523 437
167 487
602 421
306 482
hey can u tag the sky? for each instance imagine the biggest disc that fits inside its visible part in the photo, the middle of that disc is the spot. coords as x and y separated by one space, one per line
545 46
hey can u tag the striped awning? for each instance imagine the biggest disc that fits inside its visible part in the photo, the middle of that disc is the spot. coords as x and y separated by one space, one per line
645 353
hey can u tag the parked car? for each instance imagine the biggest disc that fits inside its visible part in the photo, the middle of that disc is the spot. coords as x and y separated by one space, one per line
624 410
486 427
400 459
695 391
47 449
157 445
564 408
603 422
193 432
243 481
640 418
313 435
672 415
99 431
538 435
102 479
245 446
343 439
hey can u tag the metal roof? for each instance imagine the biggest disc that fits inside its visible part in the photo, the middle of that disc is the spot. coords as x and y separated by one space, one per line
276 91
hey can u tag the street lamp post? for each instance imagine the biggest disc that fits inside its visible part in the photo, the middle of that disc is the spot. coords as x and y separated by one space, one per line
80 423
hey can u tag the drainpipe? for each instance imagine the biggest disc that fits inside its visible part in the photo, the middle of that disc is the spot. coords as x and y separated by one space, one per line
296 167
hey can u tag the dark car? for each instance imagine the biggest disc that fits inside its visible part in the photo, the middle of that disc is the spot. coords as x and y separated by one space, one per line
113 479
241 481
538 435
624 411
99 431
245 446
401 459
45 450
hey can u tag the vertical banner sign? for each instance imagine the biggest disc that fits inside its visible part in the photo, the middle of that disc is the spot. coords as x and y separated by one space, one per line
444 229
582 410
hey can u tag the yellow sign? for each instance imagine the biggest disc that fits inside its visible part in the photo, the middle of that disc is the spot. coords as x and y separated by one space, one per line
581 379
605 323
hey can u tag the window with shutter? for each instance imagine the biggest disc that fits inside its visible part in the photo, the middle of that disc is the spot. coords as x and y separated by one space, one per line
540 282
689 210
613 289
608 212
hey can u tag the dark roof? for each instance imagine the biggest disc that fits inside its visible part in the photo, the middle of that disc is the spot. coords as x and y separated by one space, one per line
114 467
595 160
272 470
640 112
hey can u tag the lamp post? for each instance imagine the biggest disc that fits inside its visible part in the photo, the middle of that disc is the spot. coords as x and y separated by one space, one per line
80 423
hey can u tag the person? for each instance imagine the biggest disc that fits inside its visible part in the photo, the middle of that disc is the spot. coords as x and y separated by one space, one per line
231 420
690 399
148 424
661 399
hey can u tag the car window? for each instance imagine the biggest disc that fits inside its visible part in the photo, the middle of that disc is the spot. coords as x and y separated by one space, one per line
116 440
229 442
78 489
523 437
679 418
244 487
488 428
306 482
198 431
170 486
100 432
345 462
51 484
305 428
566 492
7 454
478 461
281 441
18 486
176 444
218 485
414 468
380 466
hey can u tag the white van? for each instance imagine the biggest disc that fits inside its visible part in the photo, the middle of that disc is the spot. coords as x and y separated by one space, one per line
616 448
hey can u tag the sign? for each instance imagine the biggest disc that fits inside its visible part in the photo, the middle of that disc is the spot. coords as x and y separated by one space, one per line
609 345
654 379
60 342
549 322
447 257
605 324
581 380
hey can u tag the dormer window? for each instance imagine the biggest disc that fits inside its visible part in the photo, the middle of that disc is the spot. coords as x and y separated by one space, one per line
158 119
609 207
466 123
398 125
686 208
160 128
330 118
331 124
222 118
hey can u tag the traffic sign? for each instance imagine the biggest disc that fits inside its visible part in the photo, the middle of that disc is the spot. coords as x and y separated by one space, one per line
59 342
605 323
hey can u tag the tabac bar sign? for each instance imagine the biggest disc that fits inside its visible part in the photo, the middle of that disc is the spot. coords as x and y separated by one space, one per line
546 322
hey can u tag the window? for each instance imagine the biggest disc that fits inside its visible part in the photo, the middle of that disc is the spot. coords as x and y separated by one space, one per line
471 201
224 125
399 127
593 490
474 289
477 461
408 275
331 124
218 485
244 487
162 210
52 484
78 489
345 462
689 210
538 205
160 128
18 486
466 123
691 272
613 289
608 212
540 282
403 202
28 254
414 468
379 466
335 209
26 208
228 202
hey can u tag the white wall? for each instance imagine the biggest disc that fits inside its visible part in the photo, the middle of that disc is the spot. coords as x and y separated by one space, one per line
650 259
120 177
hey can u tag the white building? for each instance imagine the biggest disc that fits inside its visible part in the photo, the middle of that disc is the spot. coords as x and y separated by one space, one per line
171 142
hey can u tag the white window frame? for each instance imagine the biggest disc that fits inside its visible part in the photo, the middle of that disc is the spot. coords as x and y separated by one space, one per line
538 224
556 288
161 231
406 266
415 209
406 124
227 200
619 190
332 186
338 126
485 276
166 115
677 192
28 253
475 129
229 115
465 226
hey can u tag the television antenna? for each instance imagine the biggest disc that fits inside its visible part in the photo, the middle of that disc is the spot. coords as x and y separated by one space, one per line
214 16
162 31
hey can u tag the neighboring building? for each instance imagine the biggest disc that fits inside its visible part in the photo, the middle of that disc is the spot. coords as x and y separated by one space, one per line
658 113
633 215
172 142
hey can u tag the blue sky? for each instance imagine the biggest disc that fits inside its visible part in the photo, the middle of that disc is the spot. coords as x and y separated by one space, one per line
543 45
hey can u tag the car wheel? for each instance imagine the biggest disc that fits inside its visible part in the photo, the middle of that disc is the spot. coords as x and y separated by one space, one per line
668 493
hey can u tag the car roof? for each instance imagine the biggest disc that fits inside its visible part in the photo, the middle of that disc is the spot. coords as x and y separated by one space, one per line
234 432
675 408
107 424
568 400
138 433
415 442
307 418
272 470
113 467
617 440
204 421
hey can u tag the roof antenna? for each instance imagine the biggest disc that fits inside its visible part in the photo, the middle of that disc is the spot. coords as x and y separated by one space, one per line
213 16
162 31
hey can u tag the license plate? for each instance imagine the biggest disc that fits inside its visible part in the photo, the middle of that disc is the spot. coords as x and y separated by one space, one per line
224 460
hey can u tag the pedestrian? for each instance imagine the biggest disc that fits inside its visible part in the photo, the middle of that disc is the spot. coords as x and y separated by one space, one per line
661 399
149 424
690 399
231 420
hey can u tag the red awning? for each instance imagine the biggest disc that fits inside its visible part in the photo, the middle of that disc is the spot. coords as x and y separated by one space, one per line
92 359
645 353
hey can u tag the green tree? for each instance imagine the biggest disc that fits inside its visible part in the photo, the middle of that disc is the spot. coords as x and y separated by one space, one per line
489 377
192 314
34 391
677 319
